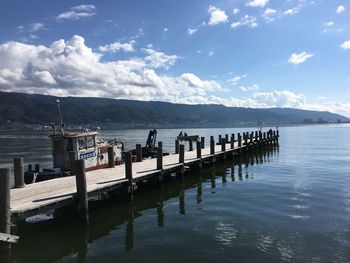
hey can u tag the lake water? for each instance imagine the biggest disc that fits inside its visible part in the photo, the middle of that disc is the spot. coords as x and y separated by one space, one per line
287 204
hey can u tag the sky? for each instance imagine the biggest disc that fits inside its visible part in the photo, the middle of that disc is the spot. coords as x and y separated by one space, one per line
242 53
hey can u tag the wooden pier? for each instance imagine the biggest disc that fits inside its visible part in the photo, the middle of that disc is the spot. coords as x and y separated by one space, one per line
24 201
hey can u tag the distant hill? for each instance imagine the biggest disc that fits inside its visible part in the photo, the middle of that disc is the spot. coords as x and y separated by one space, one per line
41 109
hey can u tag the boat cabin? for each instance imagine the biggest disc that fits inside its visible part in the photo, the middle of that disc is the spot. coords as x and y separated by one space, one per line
83 145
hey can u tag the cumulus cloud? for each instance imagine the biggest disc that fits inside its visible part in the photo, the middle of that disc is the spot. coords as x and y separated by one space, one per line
254 88
117 46
345 45
235 11
269 14
77 12
236 79
282 98
299 58
340 9
257 3
159 59
247 20
34 27
217 16
291 11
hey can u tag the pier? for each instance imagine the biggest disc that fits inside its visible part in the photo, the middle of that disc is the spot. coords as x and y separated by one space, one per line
24 201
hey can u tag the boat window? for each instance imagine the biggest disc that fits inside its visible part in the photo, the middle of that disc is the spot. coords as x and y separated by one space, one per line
82 143
90 141
70 145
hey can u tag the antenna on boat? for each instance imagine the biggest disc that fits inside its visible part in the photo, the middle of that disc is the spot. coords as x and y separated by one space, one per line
61 119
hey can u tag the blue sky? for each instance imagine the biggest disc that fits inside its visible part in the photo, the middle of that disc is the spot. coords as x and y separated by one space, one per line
249 53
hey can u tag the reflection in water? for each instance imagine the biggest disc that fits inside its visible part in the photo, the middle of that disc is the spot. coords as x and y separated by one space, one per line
83 244
200 188
212 181
160 206
182 198
129 237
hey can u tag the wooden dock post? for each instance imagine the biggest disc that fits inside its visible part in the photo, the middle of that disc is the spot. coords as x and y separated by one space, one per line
199 149
111 158
223 145
220 137
177 146
202 142
190 142
83 205
245 137
5 213
138 153
19 172
182 154
239 140
212 145
232 141
128 173
37 168
226 138
160 156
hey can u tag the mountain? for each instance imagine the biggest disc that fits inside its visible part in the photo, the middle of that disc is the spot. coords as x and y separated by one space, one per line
42 109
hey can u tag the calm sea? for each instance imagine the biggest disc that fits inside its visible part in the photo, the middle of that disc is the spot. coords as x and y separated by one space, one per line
287 204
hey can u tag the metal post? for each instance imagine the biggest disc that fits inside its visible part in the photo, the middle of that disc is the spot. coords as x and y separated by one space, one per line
19 172
83 206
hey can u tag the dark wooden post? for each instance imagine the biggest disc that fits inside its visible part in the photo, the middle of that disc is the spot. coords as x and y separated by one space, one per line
5 213
19 172
160 156
111 158
251 137
223 145
232 141
128 173
177 146
138 153
212 145
71 158
202 142
256 136
182 154
37 168
226 138
239 140
190 145
245 136
80 177
220 137
199 150
260 135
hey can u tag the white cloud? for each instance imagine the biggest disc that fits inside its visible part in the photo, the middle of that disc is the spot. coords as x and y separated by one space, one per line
269 14
236 79
165 29
252 88
191 31
257 3
249 21
34 27
235 11
70 68
291 11
117 46
340 9
217 16
77 12
330 23
211 53
157 59
299 58
345 45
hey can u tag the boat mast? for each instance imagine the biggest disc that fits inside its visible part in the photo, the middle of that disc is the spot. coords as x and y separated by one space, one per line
61 119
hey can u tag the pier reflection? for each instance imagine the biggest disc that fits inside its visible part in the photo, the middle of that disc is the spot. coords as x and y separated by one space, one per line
65 236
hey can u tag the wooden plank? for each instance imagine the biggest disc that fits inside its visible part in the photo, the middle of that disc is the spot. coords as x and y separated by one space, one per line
8 238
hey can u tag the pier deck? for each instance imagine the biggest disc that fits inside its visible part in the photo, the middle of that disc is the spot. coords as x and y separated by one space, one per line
57 193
